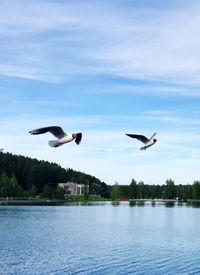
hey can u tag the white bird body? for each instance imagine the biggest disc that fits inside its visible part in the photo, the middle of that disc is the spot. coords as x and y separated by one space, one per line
147 141
56 143
148 144
58 132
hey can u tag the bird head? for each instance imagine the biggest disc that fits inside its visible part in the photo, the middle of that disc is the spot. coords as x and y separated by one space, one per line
78 138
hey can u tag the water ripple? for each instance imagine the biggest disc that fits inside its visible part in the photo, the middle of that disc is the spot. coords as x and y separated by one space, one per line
99 240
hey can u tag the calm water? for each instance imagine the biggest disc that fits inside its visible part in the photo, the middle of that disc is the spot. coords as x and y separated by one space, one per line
100 239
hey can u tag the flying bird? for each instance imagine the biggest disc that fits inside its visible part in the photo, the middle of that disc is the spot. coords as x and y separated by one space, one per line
58 132
147 141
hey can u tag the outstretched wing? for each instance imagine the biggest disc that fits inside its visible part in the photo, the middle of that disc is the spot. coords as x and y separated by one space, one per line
139 137
54 130
153 135
78 138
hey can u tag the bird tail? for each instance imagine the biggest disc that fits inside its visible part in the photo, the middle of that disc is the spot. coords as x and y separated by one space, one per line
143 148
54 143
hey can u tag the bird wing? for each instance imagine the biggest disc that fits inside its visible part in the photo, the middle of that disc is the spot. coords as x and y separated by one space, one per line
54 130
153 135
78 138
139 137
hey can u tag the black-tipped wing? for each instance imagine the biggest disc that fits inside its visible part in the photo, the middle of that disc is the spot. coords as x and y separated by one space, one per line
54 130
139 137
153 135
78 138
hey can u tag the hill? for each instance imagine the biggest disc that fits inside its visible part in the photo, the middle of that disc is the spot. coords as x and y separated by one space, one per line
24 177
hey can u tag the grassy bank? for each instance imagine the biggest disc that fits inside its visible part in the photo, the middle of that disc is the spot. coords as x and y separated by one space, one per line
83 198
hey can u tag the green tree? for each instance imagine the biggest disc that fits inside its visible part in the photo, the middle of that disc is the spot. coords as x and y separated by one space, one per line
170 189
141 190
86 195
153 192
33 191
59 193
187 193
104 190
5 185
115 192
133 190
47 192
15 188
196 190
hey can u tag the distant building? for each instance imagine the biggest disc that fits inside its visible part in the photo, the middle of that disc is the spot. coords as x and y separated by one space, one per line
73 188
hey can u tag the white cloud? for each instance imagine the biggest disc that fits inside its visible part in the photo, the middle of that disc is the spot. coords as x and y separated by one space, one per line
56 41
171 117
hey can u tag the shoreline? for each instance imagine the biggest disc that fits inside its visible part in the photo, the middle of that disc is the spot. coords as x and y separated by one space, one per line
78 202
27 201
46 202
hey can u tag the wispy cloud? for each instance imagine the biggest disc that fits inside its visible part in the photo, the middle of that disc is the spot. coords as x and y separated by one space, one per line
96 149
55 41
172 117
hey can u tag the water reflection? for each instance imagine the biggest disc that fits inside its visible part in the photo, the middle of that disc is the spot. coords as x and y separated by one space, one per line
115 203
169 203
137 203
51 203
180 203
141 203
132 203
195 204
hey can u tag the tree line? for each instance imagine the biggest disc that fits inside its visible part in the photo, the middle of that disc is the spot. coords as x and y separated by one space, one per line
167 191
25 177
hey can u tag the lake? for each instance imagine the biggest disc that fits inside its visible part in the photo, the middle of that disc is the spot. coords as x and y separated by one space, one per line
100 238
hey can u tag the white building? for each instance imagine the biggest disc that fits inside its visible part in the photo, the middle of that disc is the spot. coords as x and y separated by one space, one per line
73 188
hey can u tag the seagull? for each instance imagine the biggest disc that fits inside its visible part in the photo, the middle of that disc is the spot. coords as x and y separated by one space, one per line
147 141
58 132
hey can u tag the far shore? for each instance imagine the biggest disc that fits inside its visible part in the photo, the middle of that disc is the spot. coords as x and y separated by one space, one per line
27 201
12 201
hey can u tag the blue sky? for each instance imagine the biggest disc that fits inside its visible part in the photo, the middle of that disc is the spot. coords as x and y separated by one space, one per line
104 68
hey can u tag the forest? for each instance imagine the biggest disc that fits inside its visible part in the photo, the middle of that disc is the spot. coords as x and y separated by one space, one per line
23 177
167 191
